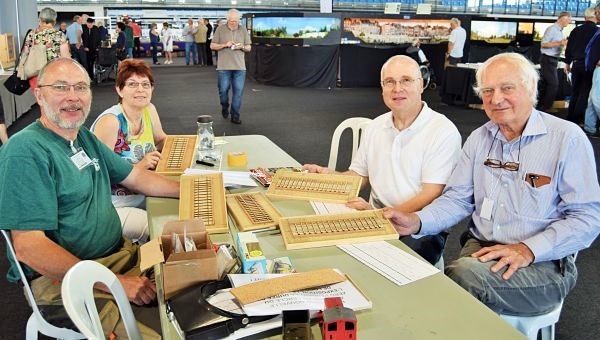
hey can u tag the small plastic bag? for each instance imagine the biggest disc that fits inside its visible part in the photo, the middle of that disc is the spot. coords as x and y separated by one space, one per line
177 246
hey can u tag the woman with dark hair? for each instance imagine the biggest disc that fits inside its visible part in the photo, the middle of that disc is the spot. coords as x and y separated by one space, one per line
133 130
55 41
121 40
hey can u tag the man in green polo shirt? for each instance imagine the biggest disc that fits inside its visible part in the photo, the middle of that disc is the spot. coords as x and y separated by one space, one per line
55 199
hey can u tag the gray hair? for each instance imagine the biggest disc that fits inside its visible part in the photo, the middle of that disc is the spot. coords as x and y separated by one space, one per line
526 71
397 58
590 12
76 18
235 12
47 15
44 69
455 20
564 14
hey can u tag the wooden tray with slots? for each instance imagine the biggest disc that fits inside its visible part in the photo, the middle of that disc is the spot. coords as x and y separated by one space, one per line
252 211
312 231
316 187
177 155
203 196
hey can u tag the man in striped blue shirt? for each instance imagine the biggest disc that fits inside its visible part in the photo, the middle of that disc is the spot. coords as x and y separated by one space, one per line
528 180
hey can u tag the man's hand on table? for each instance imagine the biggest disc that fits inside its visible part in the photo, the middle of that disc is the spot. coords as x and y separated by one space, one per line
358 203
514 256
313 168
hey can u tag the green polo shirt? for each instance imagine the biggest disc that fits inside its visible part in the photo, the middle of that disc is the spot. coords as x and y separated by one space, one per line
42 189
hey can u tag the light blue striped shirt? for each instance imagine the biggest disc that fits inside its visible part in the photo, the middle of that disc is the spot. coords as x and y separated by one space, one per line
553 220
552 34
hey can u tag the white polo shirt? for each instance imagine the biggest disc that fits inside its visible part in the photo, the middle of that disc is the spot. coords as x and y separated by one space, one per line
398 162
458 36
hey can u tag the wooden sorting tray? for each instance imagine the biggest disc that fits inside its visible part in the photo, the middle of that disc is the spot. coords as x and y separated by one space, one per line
177 155
203 196
252 211
301 232
315 187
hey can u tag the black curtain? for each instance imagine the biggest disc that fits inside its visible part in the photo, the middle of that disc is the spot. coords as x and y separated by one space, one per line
360 65
297 66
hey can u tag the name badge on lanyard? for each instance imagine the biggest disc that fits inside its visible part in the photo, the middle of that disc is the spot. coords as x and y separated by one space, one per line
81 159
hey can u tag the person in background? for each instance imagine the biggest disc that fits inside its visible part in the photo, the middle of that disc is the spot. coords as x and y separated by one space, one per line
456 42
405 155
74 32
55 177
63 27
102 31
91 43
231 41
581 80
190 47
137 34
592 64
154 40
128 38
551 46
167 38
200 40
121 44
209 52
132 129
528 181
54 40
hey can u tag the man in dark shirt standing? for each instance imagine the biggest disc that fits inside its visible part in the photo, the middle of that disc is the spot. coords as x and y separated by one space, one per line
91 43
581 80
209 58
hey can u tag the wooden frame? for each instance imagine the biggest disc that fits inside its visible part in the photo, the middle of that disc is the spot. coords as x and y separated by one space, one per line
203 197
311 231
252 211
315 187
177 155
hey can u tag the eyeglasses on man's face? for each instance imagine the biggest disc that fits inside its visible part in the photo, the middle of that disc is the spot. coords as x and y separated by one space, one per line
64 88
390 83
132 84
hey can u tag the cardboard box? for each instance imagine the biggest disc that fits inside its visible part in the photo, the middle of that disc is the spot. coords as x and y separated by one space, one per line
184 269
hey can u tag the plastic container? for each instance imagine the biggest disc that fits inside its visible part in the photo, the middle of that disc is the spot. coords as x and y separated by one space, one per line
206 136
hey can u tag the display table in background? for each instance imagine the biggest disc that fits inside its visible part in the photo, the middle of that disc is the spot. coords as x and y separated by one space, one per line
431 308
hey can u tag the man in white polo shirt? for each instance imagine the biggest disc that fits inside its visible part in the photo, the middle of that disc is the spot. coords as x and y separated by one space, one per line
407 154
456 42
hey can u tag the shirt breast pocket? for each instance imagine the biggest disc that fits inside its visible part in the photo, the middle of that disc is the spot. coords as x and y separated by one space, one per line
535 201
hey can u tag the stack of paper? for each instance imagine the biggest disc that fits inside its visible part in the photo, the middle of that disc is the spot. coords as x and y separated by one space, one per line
231 179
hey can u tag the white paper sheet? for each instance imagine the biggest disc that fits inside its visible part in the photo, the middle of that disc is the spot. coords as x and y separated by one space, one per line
231 179
322 208
392 262
312 299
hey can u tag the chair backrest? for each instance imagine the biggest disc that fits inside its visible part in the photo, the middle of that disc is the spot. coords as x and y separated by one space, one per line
36 322
78 298
357 124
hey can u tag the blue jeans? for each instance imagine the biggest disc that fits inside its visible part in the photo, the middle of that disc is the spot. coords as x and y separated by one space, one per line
233 79
533 290
592 113
190 47
130 52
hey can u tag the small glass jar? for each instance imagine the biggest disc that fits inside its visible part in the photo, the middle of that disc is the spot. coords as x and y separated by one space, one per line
206 136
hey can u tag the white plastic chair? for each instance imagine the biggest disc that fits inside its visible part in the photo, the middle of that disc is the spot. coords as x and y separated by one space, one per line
36 322
78 298
531 325
357 124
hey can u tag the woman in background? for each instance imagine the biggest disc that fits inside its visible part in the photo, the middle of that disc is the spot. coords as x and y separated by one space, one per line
133 130
55 41
154 40
167 38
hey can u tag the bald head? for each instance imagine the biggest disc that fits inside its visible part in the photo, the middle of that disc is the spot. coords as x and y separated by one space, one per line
404 61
